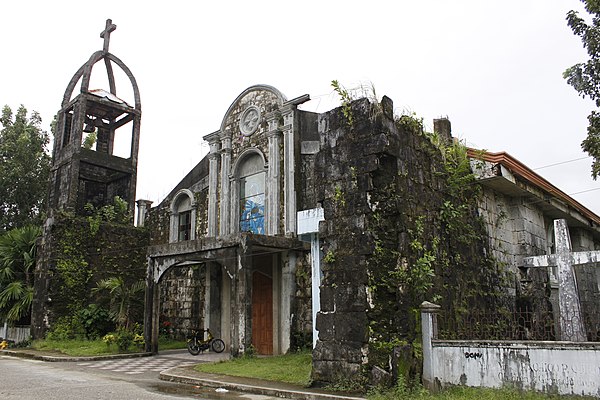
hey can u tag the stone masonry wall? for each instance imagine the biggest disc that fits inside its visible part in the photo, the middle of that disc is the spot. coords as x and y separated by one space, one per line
517 229
73 259
182 292
301 332
396 232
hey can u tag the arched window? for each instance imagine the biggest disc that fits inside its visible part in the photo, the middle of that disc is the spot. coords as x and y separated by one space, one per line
251 175
183 217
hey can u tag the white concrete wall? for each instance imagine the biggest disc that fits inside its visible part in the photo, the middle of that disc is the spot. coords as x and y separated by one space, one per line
17 334
552 367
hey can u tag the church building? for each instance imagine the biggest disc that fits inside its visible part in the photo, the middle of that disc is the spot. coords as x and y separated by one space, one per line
302 229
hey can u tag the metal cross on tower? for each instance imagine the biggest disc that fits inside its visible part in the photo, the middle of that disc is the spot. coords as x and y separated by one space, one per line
105 34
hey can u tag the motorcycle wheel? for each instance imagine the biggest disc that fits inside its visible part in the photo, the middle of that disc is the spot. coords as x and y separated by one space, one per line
193 347
218 345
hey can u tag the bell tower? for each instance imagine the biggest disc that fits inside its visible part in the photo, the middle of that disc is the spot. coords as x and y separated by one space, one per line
91 124
85 168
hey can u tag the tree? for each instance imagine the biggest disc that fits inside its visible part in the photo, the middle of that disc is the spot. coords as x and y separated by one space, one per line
124 299
24 168
17 264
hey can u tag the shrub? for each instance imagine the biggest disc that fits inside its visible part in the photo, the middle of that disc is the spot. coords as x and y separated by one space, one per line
124 339
138 341
95 320
67 327
109 339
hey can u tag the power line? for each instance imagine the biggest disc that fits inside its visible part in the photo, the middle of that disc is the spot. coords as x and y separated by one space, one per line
584 191
561 163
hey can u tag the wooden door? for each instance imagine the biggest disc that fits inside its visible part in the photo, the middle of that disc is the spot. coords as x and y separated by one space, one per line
262 313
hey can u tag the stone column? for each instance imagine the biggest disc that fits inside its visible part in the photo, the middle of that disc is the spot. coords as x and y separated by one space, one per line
151 309
241 310
273 175
142 208
429 332
224 227
288 291
213 182
289 166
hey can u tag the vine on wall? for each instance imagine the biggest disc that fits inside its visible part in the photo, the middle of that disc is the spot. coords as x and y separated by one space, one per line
87 250
429 242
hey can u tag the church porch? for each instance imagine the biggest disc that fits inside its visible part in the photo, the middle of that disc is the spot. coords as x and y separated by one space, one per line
244 289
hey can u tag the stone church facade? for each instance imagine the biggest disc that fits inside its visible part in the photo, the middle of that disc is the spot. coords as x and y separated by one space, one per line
227 252
231 224
300 229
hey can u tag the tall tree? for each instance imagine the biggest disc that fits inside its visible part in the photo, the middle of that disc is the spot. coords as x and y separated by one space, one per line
585 77
17 263
24 168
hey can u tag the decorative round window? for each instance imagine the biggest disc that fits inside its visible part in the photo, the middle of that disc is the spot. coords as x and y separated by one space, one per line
250 120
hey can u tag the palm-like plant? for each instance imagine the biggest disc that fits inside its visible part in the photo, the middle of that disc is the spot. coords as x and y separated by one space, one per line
123 298
17 264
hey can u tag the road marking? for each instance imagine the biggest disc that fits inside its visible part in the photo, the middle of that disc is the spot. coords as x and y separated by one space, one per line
138 365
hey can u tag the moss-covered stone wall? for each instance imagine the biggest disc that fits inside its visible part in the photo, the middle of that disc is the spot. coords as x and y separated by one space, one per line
74 256
401 226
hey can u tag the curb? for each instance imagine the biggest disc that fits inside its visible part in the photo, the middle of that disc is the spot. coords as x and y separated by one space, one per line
47 358
178 374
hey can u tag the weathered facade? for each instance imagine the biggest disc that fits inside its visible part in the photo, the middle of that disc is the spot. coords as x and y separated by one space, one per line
232 220
400 219
297 226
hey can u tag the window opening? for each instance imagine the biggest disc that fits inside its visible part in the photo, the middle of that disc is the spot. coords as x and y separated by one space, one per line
185 225
252 203
67 128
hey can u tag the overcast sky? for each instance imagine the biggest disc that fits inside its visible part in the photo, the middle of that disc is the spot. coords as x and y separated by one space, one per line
493 67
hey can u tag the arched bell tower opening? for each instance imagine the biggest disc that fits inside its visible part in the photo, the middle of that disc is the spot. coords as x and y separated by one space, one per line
85 168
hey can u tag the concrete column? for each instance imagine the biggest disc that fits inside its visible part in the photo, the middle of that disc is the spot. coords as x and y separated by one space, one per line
226 307
273 175
213 184
224 227
173 227
315 263
142 208
151 309
288 291
429 332
308 223
241 310
208 323
289 166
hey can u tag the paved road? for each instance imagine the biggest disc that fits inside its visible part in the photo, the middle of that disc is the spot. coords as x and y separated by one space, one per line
125 379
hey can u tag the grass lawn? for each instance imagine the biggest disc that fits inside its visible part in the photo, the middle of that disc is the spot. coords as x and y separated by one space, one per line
295 369
83 348
291 368
467 393
75 347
